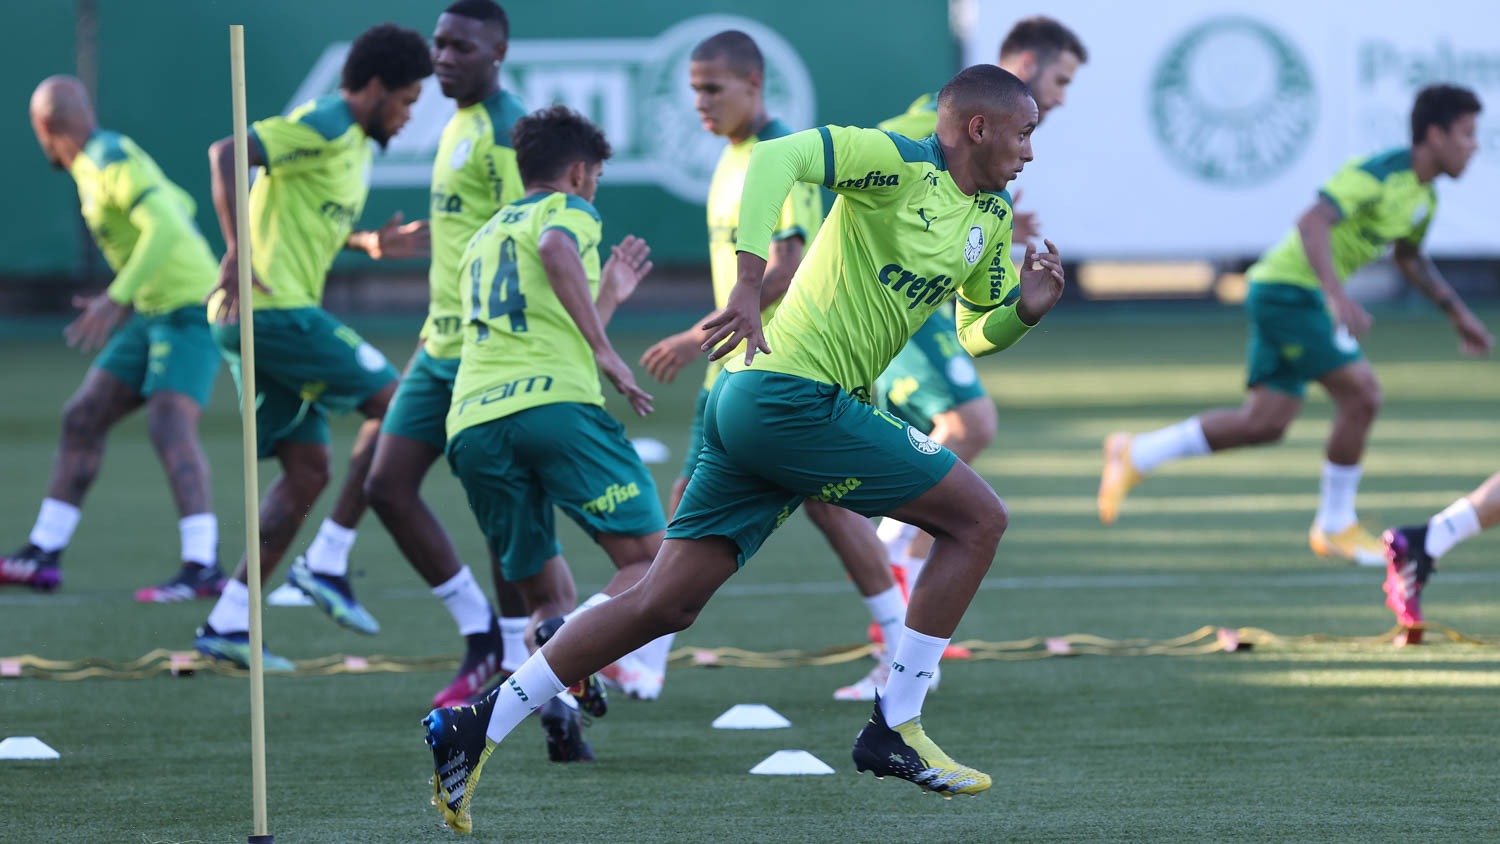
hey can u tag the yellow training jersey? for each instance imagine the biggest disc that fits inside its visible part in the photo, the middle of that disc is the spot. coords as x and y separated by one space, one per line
143 223
305 202
473 176
801 215
1379 200
521 348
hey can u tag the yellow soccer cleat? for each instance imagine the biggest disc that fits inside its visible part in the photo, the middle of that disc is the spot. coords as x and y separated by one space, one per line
459 750
1353 543
905 752
1119 478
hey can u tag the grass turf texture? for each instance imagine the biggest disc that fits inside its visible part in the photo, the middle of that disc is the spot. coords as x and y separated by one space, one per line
1338 741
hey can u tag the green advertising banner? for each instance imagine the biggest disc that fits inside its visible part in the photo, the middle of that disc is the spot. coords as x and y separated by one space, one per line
163 79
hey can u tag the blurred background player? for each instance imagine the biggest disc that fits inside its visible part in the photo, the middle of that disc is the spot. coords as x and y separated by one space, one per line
528 429
727 74
303 205
932 384
780 427
473 175
1412 552
1304 327
162 357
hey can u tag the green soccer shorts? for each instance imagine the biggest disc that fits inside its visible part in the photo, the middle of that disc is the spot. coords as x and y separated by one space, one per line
772 440
419 410
931 375
307 365
515 469
1292 338
172 352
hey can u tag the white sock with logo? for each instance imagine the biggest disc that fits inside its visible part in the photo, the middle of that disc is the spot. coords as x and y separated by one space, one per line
655 653
1452 526
896 536
912 669
465 602
329 552
533 684
200 539
1336 497
513 634
1174 442
888 609
55 524
231 614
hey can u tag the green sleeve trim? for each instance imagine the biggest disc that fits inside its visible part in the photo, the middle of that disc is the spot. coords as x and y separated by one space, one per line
504 109
145 193
252 137
1332 200
329 117
915 152
827 156
789 233
105 148
564 229
978 309
1383 165
581 204
772 130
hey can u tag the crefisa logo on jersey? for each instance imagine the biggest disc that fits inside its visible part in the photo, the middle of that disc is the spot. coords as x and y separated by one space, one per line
1233 101
635 89
974 246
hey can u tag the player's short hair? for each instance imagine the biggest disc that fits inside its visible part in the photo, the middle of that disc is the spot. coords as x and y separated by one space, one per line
395 55
1440 105
485 11
737 49
982 87
549 140
1045 38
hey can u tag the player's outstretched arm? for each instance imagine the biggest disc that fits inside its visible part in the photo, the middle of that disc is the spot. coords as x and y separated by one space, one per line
987 329
629 262
226 294
559 255
1473 338
393 240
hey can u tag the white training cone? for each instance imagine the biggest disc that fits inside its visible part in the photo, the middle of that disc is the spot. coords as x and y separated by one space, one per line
287 595
791 762
750 716
26 747
651 450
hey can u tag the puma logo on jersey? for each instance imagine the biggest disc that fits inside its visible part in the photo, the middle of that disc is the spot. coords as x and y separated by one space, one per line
918 290
922 215
872 179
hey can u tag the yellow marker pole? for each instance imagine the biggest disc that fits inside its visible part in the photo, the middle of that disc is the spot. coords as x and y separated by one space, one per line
247 437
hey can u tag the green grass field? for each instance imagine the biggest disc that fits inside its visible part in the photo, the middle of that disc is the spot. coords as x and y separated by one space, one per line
1338 740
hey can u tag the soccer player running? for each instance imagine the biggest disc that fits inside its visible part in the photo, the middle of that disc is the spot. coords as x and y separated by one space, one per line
931 384
473 175
528 430
1304 327
727 73
162 357
1412 553
313 185
780 427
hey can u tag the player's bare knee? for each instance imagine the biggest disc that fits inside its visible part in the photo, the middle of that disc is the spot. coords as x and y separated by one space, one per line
387 492
661 612
308 476
81 420
171 421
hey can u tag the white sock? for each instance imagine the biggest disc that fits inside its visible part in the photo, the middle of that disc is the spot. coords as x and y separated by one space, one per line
594 600
329 552
532 685
889 611
655 653
1174 442
232 612
897 537
912 668
1450 527
513 634
54 525
200 539
465 602
1336 497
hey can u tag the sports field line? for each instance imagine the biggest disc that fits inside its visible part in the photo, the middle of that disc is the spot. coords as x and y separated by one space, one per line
1350 577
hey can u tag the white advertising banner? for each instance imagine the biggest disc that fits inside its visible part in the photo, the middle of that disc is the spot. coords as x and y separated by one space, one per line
1203 129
